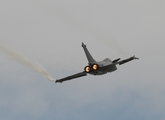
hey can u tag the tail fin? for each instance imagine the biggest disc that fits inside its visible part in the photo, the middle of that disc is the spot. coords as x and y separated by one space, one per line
88 55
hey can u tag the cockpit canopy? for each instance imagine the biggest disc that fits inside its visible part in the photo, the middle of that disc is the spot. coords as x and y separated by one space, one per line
107 60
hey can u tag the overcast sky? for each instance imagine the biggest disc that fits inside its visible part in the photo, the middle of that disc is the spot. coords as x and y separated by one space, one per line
50 33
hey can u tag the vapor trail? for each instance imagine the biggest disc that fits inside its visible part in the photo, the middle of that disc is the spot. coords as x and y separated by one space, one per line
25 61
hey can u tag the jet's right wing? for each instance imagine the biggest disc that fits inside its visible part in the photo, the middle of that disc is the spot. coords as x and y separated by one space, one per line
127 60
72 77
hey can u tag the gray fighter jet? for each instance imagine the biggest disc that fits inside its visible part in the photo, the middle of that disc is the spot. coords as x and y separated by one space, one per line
95 67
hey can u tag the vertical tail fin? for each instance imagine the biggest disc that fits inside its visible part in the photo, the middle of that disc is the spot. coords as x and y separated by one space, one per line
88 55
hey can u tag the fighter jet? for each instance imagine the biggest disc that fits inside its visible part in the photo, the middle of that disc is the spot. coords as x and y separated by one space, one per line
97 67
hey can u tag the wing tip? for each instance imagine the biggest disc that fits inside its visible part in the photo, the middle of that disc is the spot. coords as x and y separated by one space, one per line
136 58
57 81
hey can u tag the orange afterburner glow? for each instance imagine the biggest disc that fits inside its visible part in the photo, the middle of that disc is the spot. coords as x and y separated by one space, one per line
87 69
94 66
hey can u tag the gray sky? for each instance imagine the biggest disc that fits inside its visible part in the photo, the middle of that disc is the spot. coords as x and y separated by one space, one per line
50 32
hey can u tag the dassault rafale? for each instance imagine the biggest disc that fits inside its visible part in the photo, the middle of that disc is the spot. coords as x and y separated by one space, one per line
97 67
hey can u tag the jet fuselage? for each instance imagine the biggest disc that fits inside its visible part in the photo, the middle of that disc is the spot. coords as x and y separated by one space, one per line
104 67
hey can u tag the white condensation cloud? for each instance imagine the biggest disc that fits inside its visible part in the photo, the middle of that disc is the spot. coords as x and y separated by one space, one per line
50 33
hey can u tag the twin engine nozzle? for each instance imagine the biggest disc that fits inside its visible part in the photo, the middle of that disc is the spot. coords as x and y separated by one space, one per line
93 67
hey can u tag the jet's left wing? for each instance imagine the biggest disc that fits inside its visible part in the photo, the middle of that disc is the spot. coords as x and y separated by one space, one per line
72 77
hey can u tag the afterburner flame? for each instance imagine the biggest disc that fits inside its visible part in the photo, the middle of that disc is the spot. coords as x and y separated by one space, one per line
95 67
87 69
